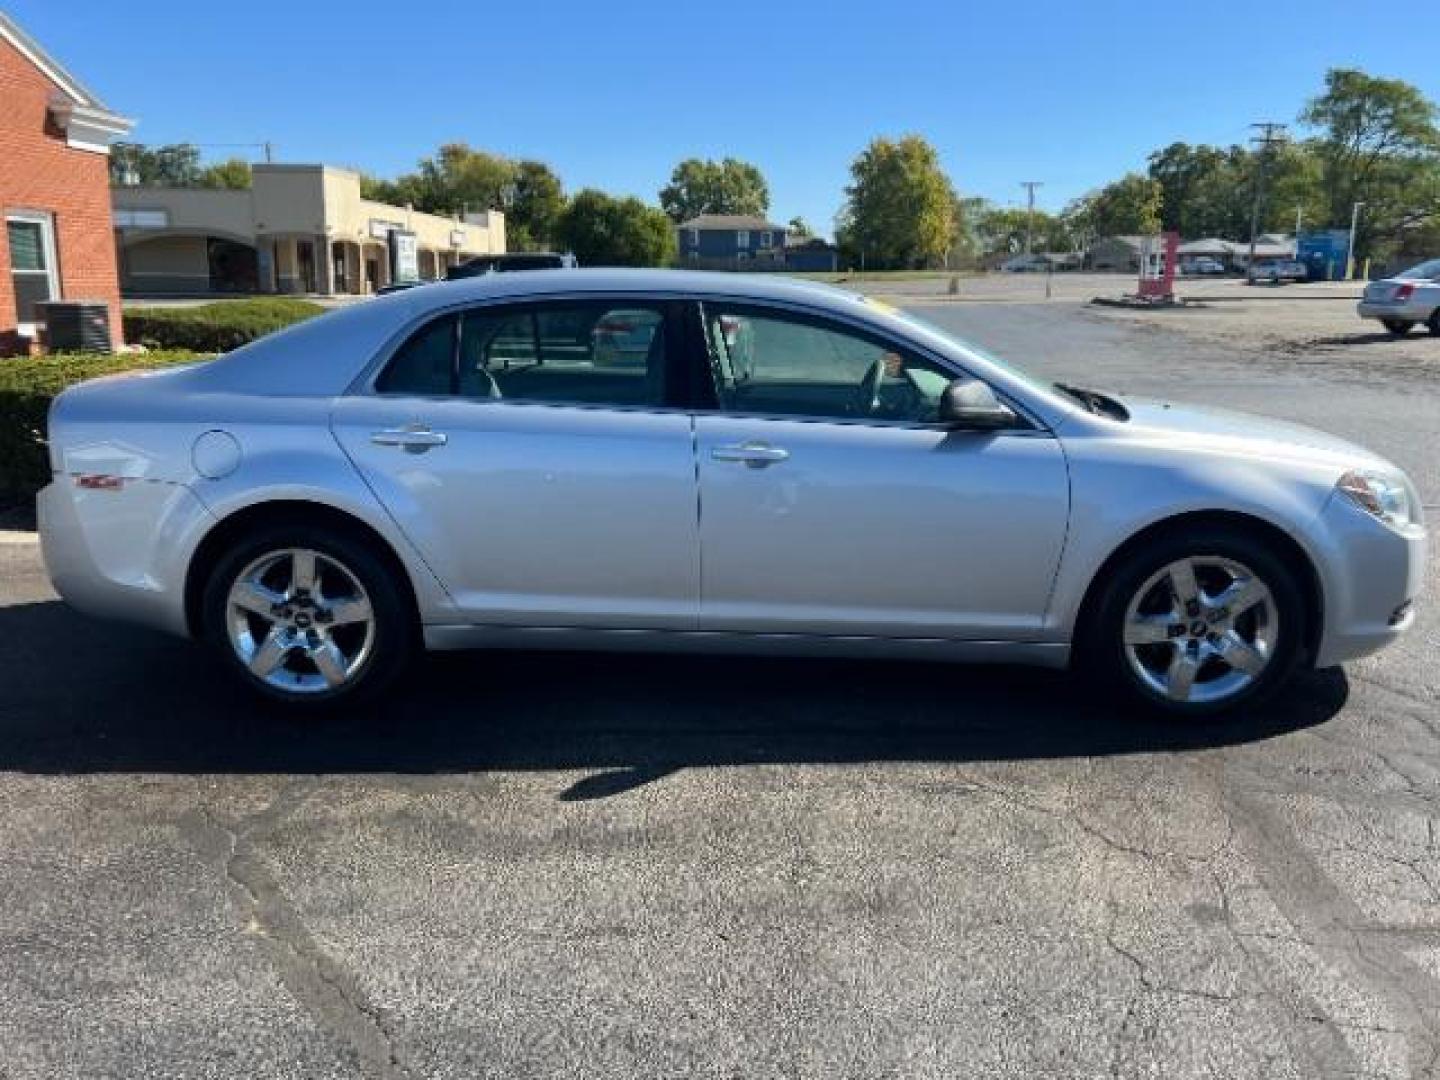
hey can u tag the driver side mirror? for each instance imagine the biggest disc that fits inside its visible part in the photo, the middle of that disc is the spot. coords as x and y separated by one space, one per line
971 405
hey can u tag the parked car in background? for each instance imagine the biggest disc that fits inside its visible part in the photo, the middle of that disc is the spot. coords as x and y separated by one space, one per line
519 260
1405 299
458 467
1202 264
1277 270
1026 264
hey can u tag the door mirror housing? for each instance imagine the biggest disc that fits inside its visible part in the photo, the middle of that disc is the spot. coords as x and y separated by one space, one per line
970 405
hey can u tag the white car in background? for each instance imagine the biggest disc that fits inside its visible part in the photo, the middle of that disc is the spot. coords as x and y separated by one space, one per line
1277 270
670 460
1401 302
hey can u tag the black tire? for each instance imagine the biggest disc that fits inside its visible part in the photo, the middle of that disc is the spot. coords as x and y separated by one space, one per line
1401 327
1100 651
394 639
1433 324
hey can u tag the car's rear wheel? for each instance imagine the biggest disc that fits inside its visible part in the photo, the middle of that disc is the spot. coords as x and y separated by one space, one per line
1198 623
1433 324
1400 327
309 617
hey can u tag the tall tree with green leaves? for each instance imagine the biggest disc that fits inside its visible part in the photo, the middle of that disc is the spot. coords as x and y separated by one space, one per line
699 187
536 201
606 231
232 174
1129 206
459 178
900 208
1377 143
138 165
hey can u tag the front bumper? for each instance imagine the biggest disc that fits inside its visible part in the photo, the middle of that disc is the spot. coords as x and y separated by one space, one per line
1405 311
122 553
1373 579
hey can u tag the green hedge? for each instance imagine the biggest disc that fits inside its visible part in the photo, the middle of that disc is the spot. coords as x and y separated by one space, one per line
217 327
27 386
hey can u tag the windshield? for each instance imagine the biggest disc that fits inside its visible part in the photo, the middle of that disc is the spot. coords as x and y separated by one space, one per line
1427 270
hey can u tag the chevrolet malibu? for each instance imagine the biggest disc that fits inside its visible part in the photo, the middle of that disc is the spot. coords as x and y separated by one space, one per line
781 468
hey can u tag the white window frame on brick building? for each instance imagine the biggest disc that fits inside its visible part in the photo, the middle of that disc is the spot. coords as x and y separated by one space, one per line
49 269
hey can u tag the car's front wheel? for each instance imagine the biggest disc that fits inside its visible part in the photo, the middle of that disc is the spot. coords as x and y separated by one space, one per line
1198 623
1434 322
1398 327
309 617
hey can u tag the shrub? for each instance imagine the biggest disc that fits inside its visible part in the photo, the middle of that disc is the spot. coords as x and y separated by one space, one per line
217 327
27 386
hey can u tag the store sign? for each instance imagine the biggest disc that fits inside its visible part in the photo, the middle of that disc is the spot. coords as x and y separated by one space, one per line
379 230
404 256
457 238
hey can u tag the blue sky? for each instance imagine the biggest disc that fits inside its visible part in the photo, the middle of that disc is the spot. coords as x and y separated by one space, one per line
613 94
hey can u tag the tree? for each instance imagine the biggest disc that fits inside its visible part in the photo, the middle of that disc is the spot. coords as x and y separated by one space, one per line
536 201
1129 206
900 208
138 165
714 187
606 231
458 178
232 174
799 229
1377 144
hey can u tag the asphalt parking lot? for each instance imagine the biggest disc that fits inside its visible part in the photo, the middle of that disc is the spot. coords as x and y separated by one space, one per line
539 865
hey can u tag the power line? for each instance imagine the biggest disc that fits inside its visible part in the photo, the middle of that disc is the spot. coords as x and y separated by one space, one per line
1271 135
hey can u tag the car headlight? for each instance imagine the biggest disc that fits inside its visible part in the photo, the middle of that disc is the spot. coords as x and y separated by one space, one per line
1387 496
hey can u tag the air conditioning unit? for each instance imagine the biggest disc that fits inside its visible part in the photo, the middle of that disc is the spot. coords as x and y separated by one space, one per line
75 326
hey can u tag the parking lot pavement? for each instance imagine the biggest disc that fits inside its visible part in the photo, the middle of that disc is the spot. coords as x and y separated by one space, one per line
533 864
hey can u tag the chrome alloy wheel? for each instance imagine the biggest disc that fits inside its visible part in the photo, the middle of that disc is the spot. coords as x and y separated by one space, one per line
1201 629
300 621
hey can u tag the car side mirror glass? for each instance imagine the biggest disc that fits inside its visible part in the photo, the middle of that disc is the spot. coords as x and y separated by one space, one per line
971 405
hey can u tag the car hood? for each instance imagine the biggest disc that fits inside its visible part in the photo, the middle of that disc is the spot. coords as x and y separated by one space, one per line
1226 430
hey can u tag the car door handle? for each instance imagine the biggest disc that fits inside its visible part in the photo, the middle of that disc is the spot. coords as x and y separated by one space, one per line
757 455
416 440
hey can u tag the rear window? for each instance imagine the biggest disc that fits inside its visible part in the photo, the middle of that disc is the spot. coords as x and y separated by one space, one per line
582 353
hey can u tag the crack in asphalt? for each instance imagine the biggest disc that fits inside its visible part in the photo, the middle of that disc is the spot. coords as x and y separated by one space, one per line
1327 920
316 980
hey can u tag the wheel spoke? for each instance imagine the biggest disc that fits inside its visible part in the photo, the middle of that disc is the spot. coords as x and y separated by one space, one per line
1242 595
353 610
1180 676
1150 629
1182 582
270 655
330 662
1240 654
302 570
255 598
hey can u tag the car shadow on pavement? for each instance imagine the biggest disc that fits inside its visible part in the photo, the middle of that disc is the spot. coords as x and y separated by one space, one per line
78 696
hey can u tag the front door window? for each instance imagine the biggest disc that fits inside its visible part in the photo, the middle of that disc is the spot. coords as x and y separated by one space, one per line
773 364
32 263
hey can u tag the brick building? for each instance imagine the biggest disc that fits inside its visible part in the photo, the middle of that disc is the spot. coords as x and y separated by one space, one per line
55 139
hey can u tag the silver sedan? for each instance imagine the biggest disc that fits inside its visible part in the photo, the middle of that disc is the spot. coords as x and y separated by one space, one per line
1409 298
770 466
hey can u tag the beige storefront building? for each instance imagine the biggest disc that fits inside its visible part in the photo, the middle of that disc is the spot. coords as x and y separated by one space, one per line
298 229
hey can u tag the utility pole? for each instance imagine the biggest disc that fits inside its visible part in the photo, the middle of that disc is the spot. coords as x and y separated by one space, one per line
1350 251
1030 186
1271 135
